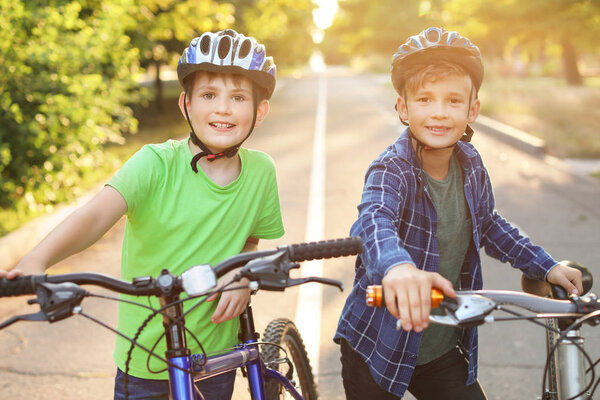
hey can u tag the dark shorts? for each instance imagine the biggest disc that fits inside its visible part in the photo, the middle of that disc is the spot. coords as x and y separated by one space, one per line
442 378
219 387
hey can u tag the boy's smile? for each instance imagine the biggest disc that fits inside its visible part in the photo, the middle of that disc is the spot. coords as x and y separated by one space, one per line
221 110
438 112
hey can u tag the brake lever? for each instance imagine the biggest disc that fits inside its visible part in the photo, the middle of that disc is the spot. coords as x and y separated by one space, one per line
38 316
465 310
57 301
317 279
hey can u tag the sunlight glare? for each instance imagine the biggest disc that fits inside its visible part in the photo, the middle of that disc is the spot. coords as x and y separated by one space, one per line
323 14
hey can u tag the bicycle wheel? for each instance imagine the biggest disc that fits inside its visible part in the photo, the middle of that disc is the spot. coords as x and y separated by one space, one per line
284 333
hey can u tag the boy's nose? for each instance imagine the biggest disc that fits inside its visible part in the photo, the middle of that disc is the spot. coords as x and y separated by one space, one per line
223 106
439 111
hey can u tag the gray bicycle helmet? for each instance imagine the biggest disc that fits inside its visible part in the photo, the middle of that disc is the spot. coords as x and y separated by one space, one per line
229 52
437 44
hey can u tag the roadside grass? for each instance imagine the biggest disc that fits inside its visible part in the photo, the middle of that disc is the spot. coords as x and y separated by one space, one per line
567 118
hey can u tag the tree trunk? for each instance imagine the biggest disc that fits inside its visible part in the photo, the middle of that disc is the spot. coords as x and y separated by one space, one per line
158 85
571 70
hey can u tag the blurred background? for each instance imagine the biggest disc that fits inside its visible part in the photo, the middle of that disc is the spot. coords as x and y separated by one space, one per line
84 83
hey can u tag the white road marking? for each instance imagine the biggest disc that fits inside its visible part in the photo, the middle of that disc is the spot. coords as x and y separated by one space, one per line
308 312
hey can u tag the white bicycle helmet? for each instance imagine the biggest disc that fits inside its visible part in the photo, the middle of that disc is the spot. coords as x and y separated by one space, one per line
229 52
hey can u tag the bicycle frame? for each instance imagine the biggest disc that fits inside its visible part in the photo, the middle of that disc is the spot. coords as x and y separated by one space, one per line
246 355
60 296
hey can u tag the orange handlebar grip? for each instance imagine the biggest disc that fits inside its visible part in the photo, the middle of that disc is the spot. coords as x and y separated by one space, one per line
437 296
374 296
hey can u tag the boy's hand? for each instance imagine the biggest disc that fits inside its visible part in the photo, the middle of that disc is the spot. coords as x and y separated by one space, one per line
408 294
567 277
11 274
232 302
24 267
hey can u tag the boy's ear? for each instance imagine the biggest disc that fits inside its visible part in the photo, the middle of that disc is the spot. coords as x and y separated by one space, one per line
261 112
474 111
182 103
401 108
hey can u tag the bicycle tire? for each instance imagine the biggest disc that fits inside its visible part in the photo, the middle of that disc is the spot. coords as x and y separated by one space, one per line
284 333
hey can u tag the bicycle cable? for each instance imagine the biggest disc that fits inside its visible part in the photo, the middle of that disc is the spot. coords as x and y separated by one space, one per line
555 346
182 317
563 336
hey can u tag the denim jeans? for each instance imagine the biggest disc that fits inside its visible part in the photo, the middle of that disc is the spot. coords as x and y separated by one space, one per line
219 387
442 378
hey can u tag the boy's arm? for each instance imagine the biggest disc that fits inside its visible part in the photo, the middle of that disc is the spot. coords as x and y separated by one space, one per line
504 242
79 231
407 288
232 303
378 220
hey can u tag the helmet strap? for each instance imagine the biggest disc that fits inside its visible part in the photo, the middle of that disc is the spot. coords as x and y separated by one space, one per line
205 151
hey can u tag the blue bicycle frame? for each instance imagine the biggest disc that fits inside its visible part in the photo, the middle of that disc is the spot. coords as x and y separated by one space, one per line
245 355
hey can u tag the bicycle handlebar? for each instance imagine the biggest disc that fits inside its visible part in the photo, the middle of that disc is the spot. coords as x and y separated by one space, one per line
144 286
472 306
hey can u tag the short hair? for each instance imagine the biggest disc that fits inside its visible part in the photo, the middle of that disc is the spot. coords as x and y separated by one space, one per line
418 75
188 82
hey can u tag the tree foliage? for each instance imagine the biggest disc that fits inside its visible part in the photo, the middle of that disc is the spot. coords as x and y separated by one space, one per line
163 28
66 77
362 27
284 26
536 29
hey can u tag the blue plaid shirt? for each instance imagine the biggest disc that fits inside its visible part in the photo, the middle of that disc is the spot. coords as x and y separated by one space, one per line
397 227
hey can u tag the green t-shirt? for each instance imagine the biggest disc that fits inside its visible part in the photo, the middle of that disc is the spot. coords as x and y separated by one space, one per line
177 219
454 232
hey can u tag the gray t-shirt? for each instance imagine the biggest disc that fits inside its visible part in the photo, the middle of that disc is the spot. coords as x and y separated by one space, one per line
454 232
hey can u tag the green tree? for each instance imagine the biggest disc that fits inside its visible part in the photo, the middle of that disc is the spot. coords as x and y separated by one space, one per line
163 28
364 27
66 76
284 26
536 26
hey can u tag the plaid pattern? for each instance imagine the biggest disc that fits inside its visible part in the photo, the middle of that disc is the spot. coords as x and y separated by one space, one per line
397 227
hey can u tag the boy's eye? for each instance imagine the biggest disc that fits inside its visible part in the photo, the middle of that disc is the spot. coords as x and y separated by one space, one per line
422 99
238 98
455 100
208 96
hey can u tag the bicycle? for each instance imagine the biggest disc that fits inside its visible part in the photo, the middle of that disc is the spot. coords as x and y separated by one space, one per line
565 373
60 296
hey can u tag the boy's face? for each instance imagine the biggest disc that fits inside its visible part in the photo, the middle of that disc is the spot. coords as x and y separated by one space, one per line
221 110
438 111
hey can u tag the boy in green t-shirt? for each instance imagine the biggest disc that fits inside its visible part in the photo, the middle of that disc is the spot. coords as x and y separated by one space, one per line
187 202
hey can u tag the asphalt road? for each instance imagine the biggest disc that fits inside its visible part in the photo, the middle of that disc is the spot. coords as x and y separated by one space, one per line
72 359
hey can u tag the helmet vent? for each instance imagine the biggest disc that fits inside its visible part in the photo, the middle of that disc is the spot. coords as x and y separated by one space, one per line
245 48
433 35
205 45
224 46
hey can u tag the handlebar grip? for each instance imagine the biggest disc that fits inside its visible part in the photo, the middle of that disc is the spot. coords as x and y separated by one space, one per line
374 296
20 286
325 249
